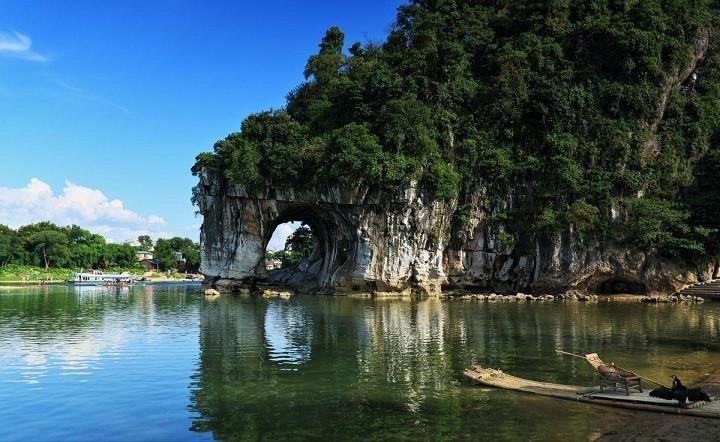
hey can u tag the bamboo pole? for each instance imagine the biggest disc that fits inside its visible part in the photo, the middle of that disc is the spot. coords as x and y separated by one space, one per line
624 369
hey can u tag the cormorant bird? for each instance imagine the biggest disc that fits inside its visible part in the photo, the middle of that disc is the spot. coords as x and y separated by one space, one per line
676 384
680 392
663 393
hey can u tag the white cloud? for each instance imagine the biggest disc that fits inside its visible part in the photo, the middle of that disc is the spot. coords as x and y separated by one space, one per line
19 45
277 242
86 207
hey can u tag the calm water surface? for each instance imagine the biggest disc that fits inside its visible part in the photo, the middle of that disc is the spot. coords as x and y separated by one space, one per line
161 363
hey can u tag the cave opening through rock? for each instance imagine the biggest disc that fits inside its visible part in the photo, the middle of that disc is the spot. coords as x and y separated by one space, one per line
290 245
304 247
615 286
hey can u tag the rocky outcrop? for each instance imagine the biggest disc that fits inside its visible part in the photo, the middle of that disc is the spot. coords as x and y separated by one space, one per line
403 241
364 242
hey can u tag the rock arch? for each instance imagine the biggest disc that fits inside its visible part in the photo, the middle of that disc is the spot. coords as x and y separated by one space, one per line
367 241
402 240
334 248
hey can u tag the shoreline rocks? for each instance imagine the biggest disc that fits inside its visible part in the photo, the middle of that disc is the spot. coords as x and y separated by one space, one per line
456 295
573 296
678 299
520 297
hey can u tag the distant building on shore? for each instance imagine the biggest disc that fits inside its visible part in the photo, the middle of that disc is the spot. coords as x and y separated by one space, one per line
146 260
273 263
142 254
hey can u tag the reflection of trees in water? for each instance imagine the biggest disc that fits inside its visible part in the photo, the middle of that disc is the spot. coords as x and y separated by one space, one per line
392 369
406 350
244 388
232 360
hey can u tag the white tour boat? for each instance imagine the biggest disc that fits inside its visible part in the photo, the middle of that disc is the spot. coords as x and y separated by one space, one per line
97 277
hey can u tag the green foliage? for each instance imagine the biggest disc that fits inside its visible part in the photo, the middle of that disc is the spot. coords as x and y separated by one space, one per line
704 201
166 249
324 66
505 240
203 160
8 239
559 103
145 242
584 217
355 155
299 244
119 255
50 246
26 273
547 221
661 224
443 181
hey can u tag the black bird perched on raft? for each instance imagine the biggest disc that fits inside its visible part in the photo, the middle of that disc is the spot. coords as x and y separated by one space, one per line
663 393
680 392
676 384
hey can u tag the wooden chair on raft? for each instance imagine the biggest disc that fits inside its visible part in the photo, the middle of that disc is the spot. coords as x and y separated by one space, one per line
612 376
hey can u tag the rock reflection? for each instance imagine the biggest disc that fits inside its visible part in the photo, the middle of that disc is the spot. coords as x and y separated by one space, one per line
288 332
391 369
407 350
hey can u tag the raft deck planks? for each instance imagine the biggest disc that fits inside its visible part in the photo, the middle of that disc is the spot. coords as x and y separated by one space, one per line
635 401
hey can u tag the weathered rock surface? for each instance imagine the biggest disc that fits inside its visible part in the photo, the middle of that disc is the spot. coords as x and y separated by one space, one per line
384 242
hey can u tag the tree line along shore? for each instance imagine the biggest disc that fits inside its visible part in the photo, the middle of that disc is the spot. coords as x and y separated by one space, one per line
47 252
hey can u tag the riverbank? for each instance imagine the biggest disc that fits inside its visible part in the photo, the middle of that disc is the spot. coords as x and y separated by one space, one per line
28 284
458 296
32 276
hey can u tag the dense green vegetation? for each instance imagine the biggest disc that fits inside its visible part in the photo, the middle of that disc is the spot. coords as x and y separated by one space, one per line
299 244
165 250
591 112
59 249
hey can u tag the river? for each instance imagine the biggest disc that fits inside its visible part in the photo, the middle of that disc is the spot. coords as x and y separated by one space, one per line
160 362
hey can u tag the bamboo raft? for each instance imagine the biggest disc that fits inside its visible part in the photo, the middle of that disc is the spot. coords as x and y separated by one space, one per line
634 400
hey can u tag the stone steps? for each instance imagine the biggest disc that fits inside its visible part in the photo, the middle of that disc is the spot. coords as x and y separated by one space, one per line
710 290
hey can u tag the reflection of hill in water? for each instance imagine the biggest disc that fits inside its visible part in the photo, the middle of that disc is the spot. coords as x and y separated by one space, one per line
392 369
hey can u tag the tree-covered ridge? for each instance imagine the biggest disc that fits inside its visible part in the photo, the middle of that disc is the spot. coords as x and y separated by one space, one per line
585 108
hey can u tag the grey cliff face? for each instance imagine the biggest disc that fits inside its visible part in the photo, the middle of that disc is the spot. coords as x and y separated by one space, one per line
405 242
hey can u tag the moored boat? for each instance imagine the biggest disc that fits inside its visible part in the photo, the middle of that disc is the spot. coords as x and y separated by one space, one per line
634 400
99 278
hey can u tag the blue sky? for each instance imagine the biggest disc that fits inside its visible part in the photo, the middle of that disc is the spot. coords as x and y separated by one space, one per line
104 105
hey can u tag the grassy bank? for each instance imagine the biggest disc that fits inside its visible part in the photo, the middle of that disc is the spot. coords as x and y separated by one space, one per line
16 273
